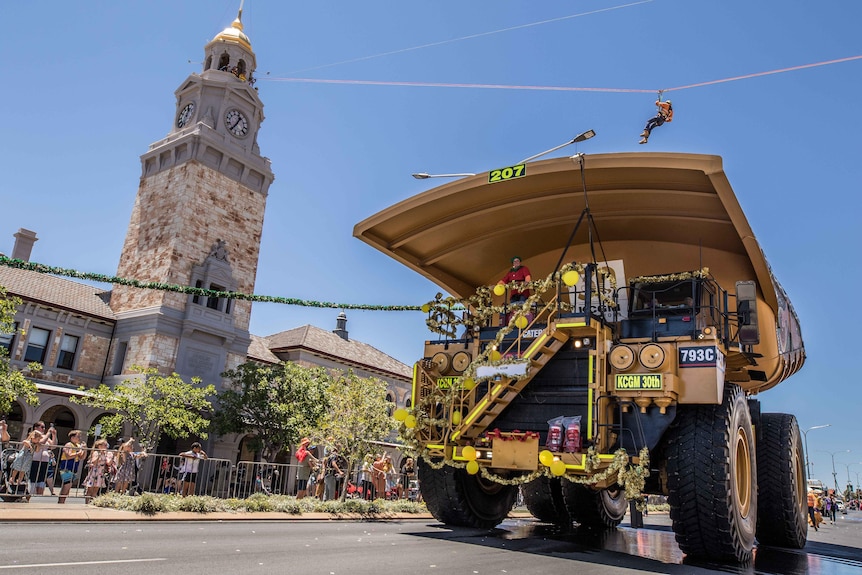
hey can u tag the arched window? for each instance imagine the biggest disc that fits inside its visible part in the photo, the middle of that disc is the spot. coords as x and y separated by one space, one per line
63 419
224 62
15 421
209 63
241 68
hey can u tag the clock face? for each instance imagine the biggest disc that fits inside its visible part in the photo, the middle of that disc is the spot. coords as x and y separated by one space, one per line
236 123
185 116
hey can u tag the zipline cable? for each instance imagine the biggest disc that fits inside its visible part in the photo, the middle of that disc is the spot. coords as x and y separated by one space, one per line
559 88
470 37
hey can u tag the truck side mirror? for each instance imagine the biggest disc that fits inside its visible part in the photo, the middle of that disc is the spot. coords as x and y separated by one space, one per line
746 312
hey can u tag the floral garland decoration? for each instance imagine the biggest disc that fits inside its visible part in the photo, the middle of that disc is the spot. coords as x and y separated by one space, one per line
45 269
631 478
682 276
479 308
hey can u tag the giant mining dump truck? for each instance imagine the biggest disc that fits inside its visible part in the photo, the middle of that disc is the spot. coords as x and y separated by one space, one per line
633 367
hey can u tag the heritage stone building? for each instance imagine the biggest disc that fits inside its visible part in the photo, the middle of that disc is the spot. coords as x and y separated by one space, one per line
196 221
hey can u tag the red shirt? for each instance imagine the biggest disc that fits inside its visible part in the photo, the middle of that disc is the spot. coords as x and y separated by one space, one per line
518 274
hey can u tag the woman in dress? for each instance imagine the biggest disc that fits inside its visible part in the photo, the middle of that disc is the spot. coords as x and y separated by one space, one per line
21 463
127 465
101 462
381 466
70 459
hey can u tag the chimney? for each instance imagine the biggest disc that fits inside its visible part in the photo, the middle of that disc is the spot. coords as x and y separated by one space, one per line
24 241
341 326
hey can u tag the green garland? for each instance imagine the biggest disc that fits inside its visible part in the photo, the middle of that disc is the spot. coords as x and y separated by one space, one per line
682 276
631 478
45 269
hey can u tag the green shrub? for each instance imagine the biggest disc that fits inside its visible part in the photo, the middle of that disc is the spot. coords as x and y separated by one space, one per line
258 502
198 504
153 503
148 504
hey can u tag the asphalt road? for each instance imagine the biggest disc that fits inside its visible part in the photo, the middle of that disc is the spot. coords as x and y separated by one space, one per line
519 546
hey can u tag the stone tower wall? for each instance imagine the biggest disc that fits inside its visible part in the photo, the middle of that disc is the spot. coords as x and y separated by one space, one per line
179 215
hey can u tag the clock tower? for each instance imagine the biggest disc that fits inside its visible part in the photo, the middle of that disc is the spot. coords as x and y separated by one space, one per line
197 222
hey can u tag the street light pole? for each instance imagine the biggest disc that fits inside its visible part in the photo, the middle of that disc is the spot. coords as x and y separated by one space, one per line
834 474
805 437
425 176
847 465
577 139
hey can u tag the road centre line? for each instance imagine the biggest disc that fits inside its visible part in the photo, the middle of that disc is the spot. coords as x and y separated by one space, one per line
31 565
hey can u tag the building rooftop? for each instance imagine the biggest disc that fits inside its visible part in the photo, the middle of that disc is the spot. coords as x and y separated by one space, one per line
57 292
315 339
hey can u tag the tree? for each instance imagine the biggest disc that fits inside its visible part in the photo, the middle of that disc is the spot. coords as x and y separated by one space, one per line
153 404
13 384
360 415
274 403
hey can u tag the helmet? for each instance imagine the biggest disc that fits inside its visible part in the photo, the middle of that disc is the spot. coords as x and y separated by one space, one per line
667 102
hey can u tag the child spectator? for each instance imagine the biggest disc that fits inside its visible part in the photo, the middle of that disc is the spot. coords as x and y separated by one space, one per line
189 468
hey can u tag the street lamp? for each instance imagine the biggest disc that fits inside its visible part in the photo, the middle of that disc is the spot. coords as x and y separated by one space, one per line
847 465
579 138
424 176
805 437
834 474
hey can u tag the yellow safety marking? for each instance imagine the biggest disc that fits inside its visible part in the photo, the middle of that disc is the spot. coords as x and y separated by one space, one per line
590 381
608 457
415 382
473 415
576 324
434 446
535 345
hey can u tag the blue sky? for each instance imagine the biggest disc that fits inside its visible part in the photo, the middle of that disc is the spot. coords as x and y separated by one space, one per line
89 85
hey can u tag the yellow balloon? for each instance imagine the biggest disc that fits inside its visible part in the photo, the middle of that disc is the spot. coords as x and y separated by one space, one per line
571 277
425 308
495 356
558 468
410 421
521 322
546 457
469 384
469 452
456 417
400 414
499 289
472 467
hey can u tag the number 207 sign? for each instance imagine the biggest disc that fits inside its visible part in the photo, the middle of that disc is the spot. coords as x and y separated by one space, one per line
509 173
698 357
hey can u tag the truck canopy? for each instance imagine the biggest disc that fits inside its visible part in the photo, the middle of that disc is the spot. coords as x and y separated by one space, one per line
657 212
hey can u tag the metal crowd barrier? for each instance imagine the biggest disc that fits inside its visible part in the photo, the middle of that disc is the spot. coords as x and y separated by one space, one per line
49 476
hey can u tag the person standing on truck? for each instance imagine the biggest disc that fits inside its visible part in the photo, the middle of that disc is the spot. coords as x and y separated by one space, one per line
664 114
518 273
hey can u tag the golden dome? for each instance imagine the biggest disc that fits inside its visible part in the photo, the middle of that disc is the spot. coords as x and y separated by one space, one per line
234 34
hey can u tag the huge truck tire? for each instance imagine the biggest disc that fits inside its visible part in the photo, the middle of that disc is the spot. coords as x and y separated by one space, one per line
543 496
603 509
455 497
712 475
782 502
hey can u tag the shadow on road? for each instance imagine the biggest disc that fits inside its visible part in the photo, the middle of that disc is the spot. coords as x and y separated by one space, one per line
651 549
